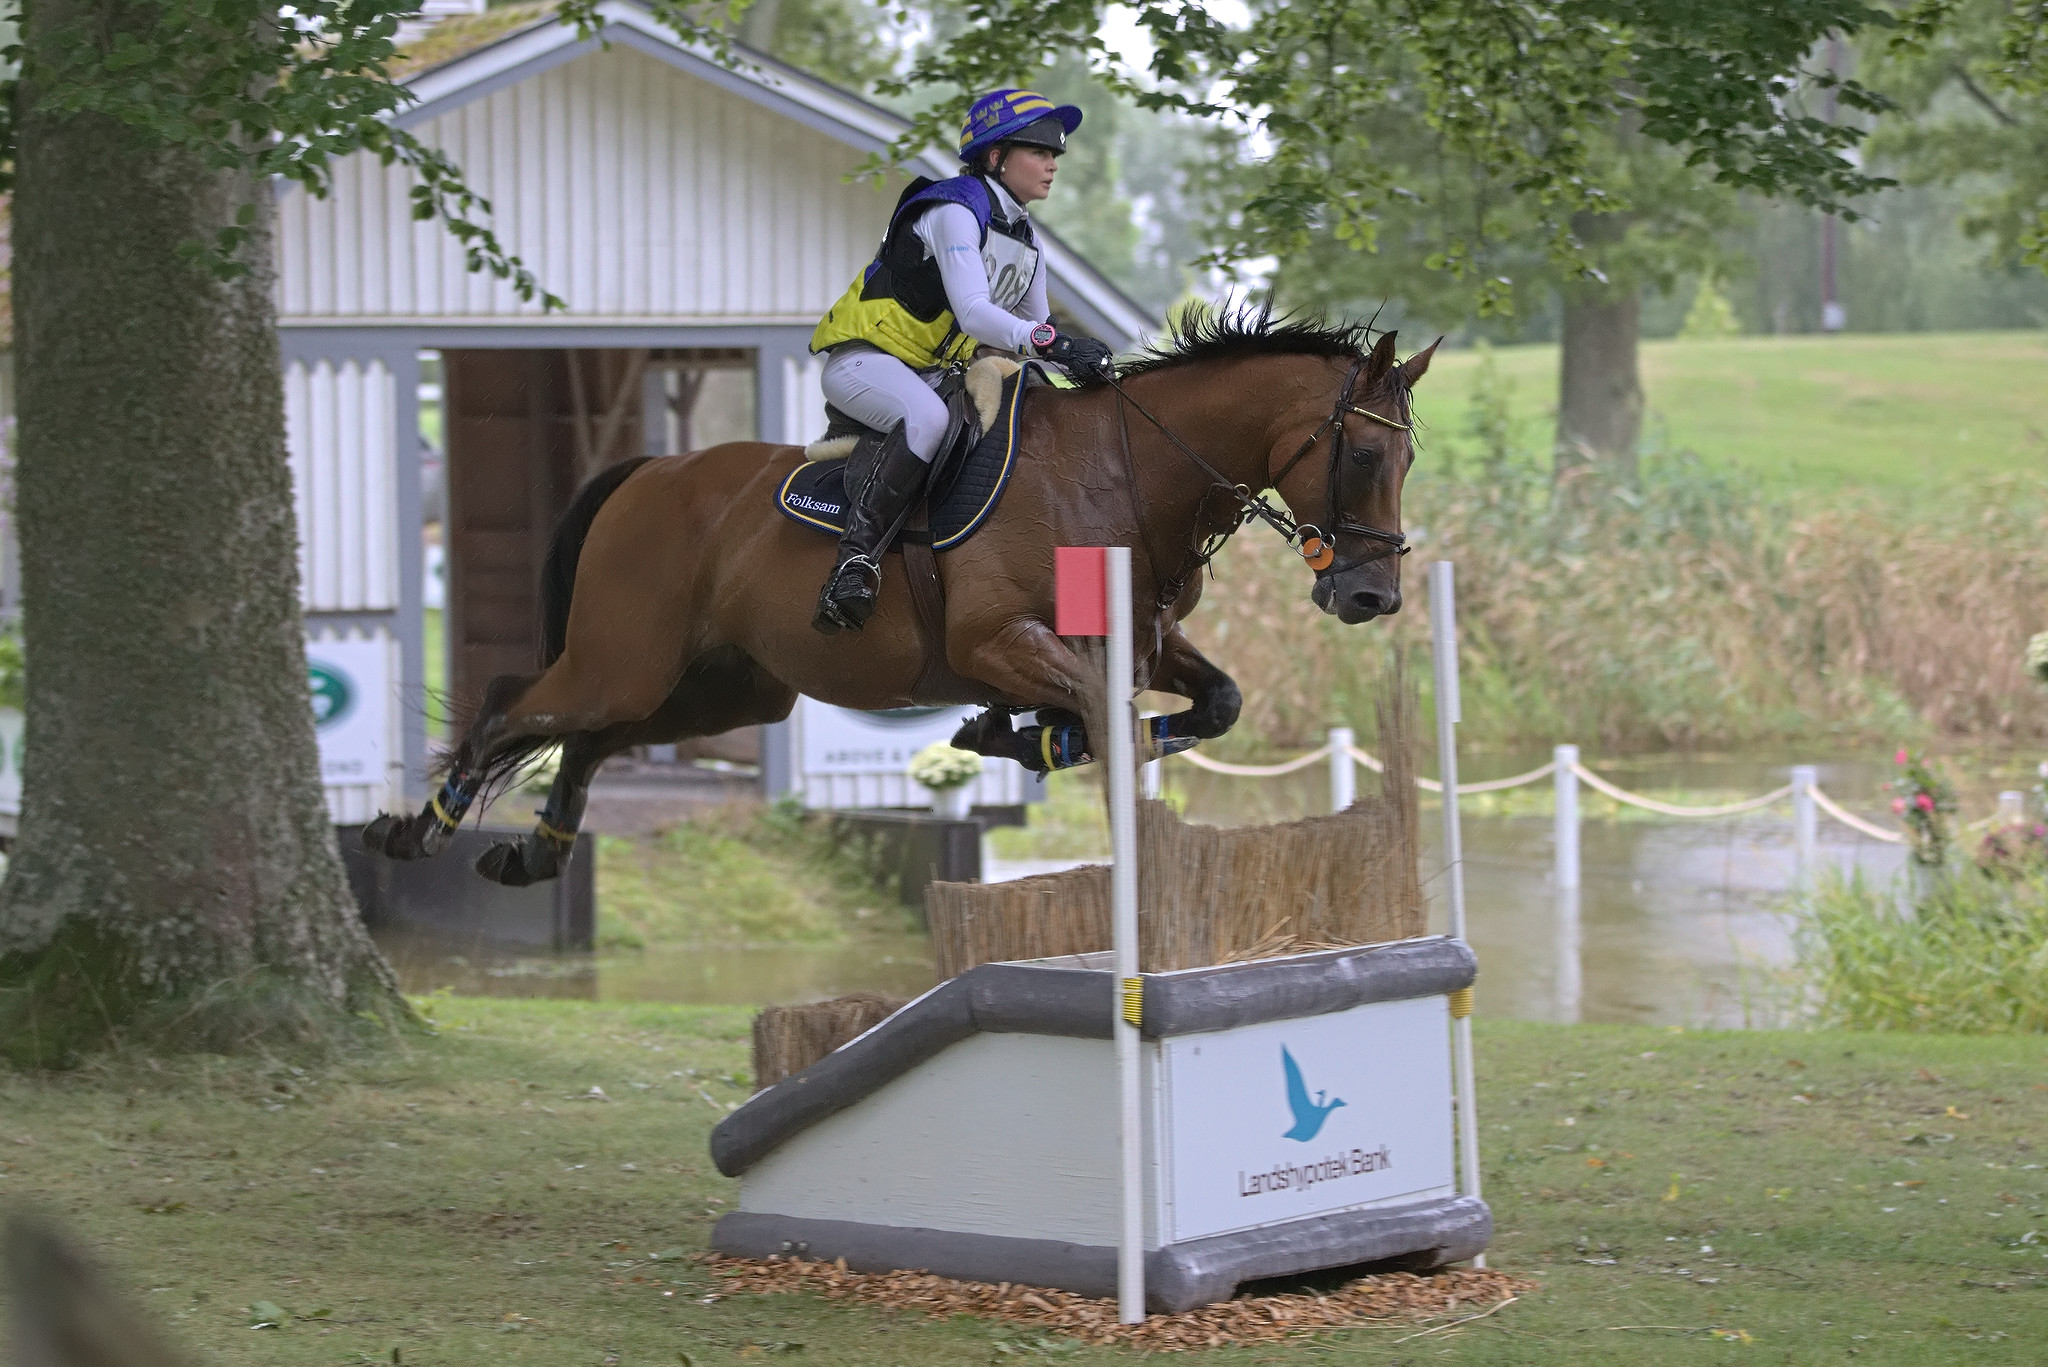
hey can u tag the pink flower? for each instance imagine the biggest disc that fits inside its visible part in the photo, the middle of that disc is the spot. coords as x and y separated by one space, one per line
1900 758
1924 802
1898 806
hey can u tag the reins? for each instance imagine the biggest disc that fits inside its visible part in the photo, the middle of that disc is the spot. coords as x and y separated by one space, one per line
1312 543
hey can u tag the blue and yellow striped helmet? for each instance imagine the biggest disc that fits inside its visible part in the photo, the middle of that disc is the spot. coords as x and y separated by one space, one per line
1016 116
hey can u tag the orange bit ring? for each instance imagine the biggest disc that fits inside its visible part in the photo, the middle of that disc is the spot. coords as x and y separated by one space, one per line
1318 553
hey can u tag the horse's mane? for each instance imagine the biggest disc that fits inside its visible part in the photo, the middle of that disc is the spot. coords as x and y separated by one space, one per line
1203 334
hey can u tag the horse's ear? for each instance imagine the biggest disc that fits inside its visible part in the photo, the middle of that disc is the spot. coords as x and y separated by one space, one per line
1416 366
1382 360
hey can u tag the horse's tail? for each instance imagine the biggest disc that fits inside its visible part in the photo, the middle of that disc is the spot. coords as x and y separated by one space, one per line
558 573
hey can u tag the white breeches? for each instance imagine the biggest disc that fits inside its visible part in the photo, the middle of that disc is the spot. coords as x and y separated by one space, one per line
875 388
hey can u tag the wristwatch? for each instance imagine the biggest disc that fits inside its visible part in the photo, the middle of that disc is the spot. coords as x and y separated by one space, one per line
1042 336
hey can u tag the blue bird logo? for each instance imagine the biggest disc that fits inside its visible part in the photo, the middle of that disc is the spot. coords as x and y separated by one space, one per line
1308 1115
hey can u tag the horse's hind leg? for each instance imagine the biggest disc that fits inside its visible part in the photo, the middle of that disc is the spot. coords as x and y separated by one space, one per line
719 691
544 853
427 832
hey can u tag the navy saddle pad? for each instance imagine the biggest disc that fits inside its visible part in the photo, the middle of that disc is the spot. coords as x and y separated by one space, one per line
967 491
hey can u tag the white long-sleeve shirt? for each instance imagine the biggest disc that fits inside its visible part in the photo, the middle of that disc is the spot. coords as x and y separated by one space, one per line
993 300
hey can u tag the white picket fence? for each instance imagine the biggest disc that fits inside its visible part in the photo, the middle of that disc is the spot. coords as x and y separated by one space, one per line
1566 773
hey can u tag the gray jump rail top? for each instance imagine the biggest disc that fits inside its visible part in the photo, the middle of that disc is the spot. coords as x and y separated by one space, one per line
1041 999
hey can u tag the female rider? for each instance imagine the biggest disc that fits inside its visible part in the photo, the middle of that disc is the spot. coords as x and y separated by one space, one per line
958 267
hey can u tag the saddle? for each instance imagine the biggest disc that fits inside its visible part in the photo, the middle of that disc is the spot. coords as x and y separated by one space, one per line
967 481
968 475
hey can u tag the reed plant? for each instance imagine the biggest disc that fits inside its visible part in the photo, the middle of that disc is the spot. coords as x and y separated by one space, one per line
1970 956
1682 607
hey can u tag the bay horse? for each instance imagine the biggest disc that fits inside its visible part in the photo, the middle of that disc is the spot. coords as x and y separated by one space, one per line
676 602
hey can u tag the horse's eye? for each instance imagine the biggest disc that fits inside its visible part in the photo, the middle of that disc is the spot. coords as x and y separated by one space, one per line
1363 455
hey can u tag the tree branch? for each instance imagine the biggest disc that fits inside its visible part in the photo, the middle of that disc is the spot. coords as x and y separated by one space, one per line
1977 93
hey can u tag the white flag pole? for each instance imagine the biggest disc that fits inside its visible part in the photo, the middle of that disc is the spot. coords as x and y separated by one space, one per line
1443 631
1123 905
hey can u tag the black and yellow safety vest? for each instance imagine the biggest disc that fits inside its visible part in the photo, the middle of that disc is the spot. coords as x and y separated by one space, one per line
898 303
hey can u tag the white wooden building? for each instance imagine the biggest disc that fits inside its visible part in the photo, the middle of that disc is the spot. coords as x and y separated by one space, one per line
690 216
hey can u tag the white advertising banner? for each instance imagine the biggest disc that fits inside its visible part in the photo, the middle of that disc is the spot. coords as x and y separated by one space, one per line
1299 1117
839 740
351 683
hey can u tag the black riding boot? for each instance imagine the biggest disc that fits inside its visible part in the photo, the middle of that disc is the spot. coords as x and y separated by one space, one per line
880 490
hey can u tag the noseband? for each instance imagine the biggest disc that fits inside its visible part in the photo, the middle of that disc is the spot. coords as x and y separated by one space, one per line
1311 542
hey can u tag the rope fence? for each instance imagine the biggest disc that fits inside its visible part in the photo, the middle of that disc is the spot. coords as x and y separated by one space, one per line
1566 773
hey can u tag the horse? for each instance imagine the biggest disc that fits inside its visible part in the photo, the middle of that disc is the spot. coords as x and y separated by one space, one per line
676 603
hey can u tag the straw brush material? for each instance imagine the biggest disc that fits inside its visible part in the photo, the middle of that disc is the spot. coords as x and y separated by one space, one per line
789 1039
1209 895
1388 1300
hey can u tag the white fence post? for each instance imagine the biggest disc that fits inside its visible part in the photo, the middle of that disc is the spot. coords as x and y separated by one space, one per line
1805 823
1343 772
1567 785
1443 631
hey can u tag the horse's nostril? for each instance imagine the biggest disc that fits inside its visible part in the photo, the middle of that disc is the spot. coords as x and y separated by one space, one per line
1377 602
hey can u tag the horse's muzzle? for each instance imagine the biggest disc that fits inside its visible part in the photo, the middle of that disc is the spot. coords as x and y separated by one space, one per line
1353 603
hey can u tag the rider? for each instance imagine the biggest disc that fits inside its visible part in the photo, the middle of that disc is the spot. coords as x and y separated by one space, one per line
958 267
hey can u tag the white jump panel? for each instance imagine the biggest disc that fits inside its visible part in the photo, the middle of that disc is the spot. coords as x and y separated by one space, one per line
1292 1118
1012 1135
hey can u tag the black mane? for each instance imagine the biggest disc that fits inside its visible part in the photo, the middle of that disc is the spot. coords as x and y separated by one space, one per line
1201 334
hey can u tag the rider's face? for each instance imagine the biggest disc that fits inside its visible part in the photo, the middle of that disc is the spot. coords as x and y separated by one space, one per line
1028 171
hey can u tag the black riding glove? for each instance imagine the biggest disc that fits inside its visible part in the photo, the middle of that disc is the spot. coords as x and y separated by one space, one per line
1085 357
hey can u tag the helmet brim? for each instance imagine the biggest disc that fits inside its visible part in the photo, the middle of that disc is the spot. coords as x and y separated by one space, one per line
1049 132
1065 118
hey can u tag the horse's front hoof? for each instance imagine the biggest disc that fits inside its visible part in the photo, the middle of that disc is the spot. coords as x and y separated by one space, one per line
986 733
390 836
517 864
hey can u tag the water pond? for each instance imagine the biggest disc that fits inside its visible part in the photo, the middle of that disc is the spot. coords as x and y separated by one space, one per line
1676 922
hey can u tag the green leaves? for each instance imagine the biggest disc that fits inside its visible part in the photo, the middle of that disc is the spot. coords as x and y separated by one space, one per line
247 87
1499 116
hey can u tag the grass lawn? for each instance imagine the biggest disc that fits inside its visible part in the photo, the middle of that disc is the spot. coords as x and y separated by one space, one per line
738 874
1814 1197
1896 411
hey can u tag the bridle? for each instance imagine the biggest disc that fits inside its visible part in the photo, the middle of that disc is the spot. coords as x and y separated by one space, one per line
1311 542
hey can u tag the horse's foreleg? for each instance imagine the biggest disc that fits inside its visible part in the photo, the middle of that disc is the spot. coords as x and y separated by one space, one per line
1032 669
427 832
1186 672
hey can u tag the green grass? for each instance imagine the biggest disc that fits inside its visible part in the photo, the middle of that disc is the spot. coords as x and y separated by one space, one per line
1070 824
1972 955
741 874
435 635
1891 411
1865 1196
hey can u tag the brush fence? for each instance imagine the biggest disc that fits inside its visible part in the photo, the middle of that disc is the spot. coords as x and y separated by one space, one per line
1297 1116
1205 895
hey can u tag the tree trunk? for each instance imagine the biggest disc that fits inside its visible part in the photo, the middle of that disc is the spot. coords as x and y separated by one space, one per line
175 863
1600 390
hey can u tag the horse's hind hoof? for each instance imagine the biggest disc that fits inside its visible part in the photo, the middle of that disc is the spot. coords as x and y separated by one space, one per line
507 863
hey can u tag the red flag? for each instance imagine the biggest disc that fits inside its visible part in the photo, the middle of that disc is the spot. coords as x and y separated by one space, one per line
1081 590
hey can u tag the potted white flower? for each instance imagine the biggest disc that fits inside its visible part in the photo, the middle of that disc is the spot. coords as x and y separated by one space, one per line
947 774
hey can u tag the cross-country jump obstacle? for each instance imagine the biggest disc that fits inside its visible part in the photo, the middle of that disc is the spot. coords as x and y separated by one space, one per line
1121 1108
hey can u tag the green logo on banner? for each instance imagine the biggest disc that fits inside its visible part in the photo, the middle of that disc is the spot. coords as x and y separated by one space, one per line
334 697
